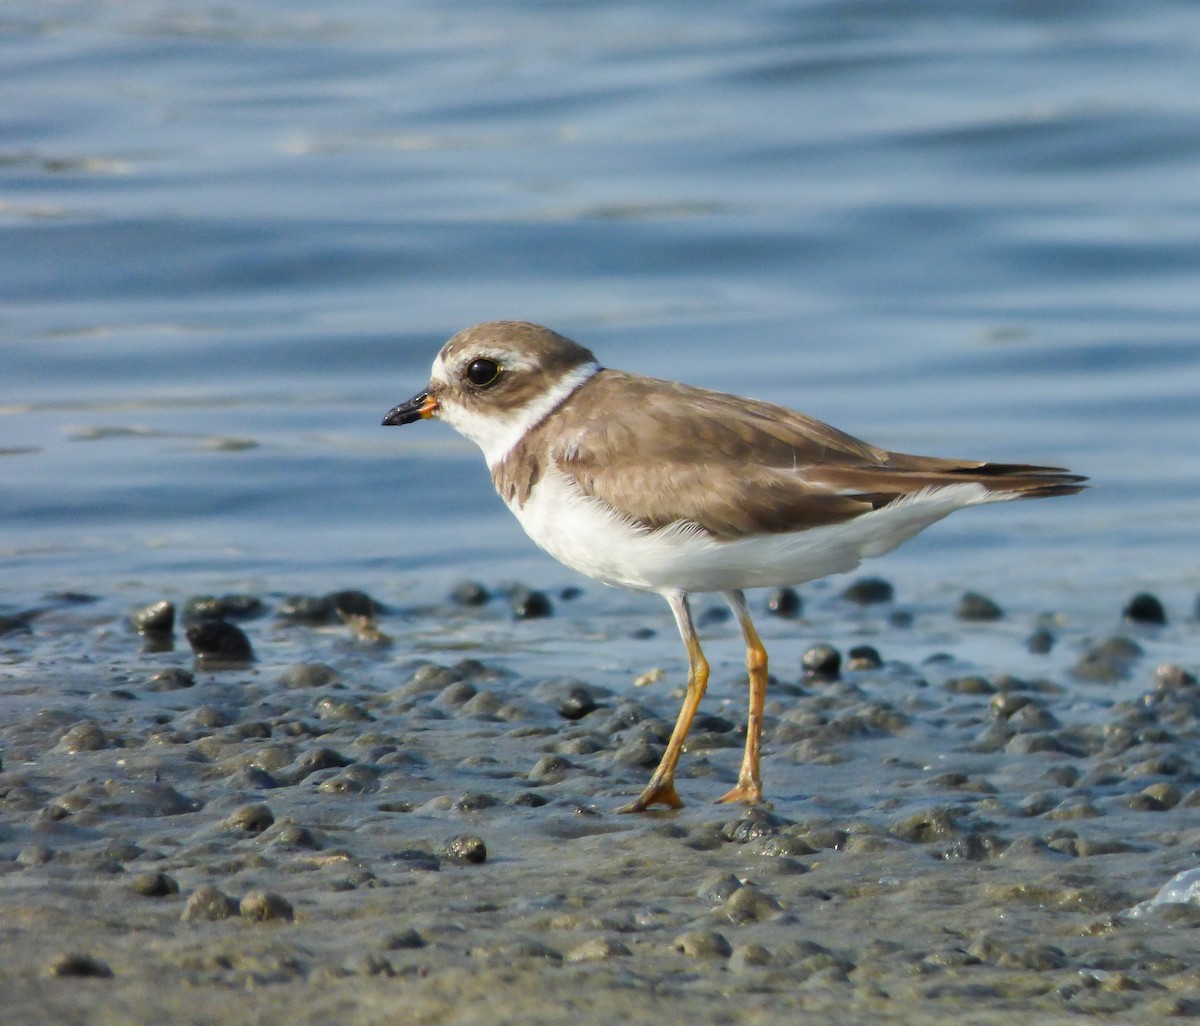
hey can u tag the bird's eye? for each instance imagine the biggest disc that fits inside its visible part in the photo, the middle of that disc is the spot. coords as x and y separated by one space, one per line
483 372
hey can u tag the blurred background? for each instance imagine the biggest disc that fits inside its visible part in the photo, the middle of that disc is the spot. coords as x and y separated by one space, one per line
232 236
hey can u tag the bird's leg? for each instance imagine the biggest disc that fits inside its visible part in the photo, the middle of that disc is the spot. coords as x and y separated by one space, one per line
749 784
661 789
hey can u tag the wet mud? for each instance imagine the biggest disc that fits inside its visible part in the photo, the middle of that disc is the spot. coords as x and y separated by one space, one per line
277 809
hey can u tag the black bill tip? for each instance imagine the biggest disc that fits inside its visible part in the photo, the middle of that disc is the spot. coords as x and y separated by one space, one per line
421 406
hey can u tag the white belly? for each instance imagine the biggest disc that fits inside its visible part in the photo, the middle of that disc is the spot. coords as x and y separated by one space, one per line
588 536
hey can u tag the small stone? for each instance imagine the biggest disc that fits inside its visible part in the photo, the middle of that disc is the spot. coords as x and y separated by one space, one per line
576 703
1040 642
77 964
308 675
785 602
718 888
869 591
466 849
172 679
977 608
1145 608
749 905
702 944
1107 662
404 940
598 949
550 769
156 618
470 593
926 827
83 737
821 663
228 607
207 903
311 610
262 906
863 657
351 603
749 956
154 885
253 819
217 643
639 753
528 604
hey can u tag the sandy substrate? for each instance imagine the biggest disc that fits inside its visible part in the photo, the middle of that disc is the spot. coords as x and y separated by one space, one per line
419 828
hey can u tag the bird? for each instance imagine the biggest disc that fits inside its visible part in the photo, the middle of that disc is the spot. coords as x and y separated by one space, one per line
656 486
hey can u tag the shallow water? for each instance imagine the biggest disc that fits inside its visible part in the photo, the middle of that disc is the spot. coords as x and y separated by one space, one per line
233 238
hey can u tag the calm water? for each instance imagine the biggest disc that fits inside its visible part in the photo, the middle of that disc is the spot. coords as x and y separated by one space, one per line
231 237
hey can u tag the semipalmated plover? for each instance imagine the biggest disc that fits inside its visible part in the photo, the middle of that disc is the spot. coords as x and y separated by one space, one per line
662 487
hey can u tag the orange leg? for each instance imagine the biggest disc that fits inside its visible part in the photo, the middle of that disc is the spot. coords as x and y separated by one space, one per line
749 786
661 789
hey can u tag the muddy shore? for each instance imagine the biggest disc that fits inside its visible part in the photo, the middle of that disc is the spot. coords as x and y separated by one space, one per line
404 814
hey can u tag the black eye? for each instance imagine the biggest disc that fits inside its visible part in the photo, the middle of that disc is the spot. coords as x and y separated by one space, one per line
483 372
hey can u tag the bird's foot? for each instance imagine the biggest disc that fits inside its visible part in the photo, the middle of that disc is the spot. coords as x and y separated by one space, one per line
660 793
748 791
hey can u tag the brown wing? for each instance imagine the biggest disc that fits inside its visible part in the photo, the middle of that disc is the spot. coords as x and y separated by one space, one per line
663 453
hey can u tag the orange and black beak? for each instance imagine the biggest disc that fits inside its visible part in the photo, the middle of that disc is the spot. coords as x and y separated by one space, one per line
421 406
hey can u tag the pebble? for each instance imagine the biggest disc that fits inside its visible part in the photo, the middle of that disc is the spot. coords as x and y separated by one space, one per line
1040 642
975 607
172 679
154 885
869 591
470 593
219 644
251 819
76 964
156 618
598 949
308 675
785 602
528 604
749 905
1107 662
466 849
311 610
863 657
702 944
207 903
821 663
263 906
1145 608
227 607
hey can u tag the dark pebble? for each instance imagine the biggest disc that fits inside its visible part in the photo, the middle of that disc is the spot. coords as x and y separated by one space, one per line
570 593
475 801
978 608
926 827
352 603
154 885
640 753
821 662
466 849
470 593
576 703
528 604
869 591
863 657
227 607
312 610
901 618
218 643
785 602
156 618
1040 642
550 769
263 906
1145 608
172 679
529 800
75 964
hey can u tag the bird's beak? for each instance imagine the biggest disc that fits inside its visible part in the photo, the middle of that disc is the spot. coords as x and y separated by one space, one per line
421 406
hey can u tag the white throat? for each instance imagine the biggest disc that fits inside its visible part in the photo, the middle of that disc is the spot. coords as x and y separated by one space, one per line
497 431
